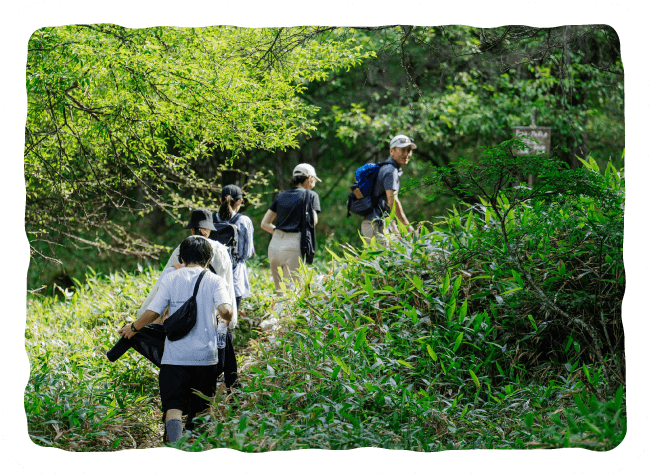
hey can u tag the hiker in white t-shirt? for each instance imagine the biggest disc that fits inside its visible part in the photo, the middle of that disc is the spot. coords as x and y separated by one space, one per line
188 364
201 223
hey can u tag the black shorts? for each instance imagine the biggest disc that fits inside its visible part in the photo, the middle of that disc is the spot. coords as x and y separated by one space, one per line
177 383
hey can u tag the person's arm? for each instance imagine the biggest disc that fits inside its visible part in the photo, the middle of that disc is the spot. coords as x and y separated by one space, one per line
393 200
173 261
147 318
316 207
266 222
248 243
223 268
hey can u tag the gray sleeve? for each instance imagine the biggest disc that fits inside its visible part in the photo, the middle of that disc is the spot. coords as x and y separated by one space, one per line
391 179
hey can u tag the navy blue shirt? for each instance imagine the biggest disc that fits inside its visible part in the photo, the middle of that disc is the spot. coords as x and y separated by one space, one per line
388 178
289 204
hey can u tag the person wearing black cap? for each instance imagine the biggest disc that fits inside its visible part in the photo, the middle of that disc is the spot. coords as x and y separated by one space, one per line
286 249
231 200
201 223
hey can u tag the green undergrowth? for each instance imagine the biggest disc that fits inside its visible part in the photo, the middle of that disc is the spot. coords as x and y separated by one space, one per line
75 398
362 363
348 368
498 327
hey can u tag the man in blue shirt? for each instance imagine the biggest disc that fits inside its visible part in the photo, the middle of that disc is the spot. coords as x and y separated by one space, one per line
386 188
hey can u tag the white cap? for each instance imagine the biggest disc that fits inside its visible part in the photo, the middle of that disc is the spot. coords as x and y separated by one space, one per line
305 169
401 141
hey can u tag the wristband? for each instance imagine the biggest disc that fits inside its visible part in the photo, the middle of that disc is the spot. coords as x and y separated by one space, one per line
133 327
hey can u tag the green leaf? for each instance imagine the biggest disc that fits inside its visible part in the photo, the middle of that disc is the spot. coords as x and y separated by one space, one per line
517 278
418 283
450 310
447 280
456 286
529 420
431 353
619 394
533 322
574 429
463 310
339 361
583 409
458 341
404 363
475 378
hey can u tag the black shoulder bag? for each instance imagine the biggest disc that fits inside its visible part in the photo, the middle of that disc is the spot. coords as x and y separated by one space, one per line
307 237
183 320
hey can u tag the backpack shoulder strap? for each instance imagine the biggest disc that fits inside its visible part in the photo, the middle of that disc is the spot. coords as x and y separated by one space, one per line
198 282
211 268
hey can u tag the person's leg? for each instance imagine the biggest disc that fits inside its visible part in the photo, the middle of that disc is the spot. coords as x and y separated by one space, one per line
231 331
203 380
174 425
378 229
274 259
367 231
174 394
293 255
284 253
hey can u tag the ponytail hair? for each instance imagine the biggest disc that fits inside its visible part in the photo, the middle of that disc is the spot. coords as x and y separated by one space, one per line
226 211
297 180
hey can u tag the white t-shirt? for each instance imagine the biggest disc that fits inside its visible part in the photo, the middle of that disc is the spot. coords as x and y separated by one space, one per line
198 347
222 266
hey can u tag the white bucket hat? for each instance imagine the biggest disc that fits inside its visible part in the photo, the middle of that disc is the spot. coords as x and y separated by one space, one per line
305 169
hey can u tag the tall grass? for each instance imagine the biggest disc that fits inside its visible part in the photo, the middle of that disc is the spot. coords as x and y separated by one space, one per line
440 341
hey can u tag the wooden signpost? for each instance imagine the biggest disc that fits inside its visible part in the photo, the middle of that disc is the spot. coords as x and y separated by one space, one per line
542 135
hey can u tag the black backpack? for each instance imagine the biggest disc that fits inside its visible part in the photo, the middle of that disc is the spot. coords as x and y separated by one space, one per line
361 201
227 233
183 320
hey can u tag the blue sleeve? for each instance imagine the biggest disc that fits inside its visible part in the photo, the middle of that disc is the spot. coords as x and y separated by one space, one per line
248 249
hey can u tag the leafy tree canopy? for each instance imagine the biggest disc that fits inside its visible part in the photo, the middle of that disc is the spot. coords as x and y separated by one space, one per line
112 109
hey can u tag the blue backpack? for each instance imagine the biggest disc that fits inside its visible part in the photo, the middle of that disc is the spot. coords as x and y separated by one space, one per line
361 201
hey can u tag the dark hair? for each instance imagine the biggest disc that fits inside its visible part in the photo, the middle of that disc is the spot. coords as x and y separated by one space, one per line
297 180
195 249
226 211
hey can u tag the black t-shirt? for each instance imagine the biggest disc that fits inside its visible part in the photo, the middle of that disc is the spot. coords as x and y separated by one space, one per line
289 205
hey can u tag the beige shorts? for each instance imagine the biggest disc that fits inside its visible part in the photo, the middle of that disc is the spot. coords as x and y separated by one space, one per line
375 228
284 252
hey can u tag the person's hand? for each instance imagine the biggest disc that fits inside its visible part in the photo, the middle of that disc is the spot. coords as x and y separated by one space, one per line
126 331
178 265
225 313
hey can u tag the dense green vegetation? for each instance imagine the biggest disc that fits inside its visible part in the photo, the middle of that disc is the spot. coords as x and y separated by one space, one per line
496 326
128 129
